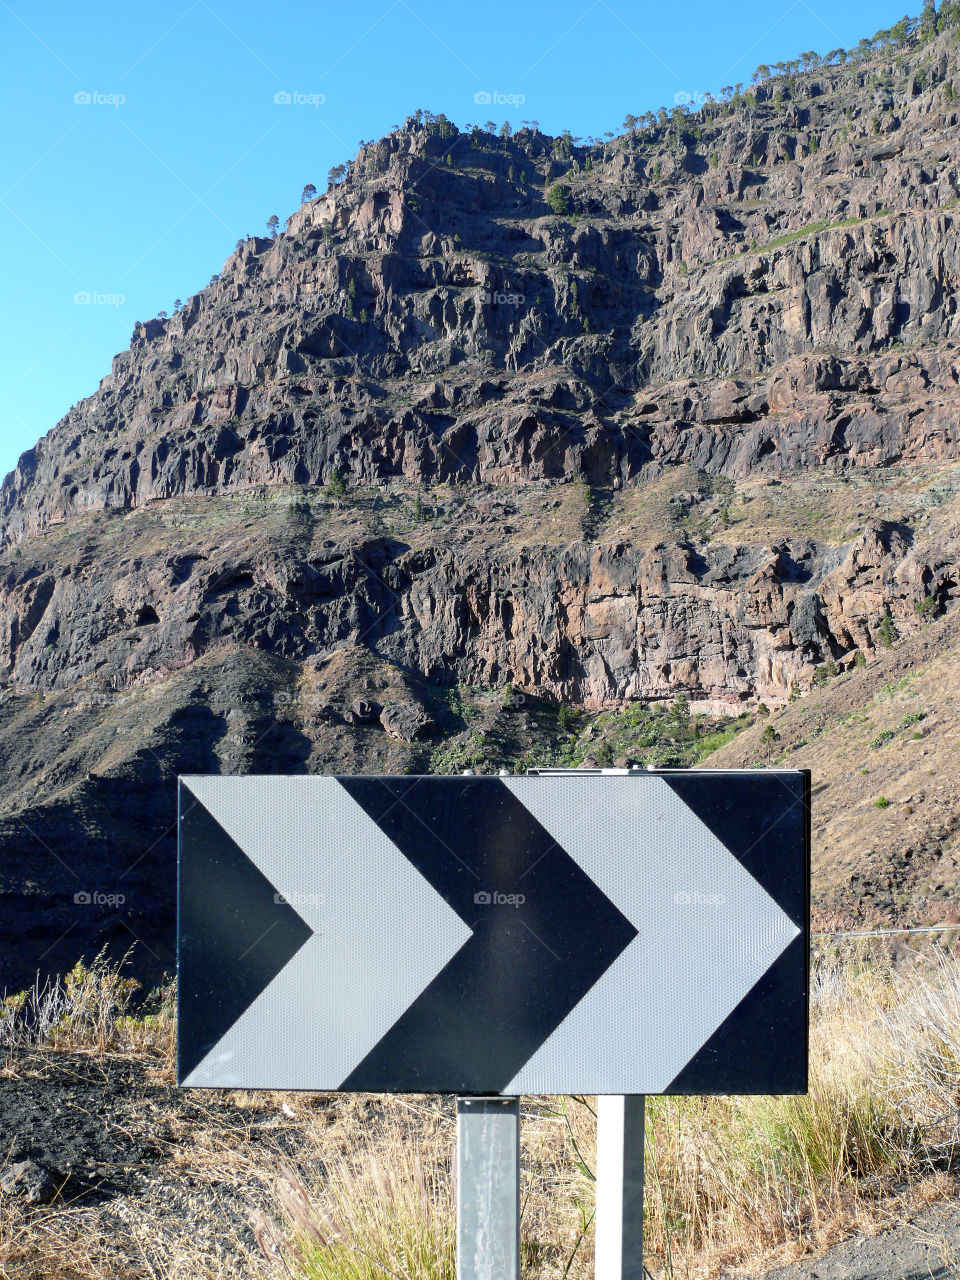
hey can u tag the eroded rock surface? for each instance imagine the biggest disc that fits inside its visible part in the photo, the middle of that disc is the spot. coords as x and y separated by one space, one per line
698 435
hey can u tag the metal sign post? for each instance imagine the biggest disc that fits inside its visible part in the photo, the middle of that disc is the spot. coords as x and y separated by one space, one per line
619 1218
488 1188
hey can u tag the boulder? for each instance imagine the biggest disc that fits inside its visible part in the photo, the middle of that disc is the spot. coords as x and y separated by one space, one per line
29 1181
407 721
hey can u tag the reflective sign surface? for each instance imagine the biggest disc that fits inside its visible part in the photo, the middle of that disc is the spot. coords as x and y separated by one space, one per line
574 933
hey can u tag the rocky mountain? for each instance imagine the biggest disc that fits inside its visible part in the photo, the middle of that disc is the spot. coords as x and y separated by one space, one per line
503 443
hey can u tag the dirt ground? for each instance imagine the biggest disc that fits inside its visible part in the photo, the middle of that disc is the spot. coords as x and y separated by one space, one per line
130 1164
136 1165
928 1248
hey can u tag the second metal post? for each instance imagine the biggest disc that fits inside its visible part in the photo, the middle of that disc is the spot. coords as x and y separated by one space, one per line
619 1218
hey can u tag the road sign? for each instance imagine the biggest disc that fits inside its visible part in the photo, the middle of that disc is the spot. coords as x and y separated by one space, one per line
581 933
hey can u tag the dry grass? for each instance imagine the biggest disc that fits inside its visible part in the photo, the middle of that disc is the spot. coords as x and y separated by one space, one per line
382 1203
89 1009
732 1180
365 1188
52 1248
67 1243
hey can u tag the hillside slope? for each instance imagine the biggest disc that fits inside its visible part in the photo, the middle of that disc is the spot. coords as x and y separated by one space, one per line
675 414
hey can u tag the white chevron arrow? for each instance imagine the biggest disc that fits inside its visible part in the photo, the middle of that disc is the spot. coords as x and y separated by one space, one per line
346 986
707 933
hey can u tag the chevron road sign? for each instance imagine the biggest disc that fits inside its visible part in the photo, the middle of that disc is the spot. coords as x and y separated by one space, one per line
626 933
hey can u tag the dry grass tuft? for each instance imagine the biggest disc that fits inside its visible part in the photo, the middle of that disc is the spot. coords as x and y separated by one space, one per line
90 1010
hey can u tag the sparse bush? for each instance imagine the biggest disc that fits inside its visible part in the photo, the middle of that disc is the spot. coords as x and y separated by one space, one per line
376 525
680 713
824 672
887 633
769 736
881 802
454 756
558 198
90 1008
927 608
299 512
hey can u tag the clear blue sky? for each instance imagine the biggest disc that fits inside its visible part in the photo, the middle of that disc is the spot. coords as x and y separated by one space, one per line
144 198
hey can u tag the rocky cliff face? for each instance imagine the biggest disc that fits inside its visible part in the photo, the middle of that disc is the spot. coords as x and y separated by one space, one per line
593 622
695 433
794 259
